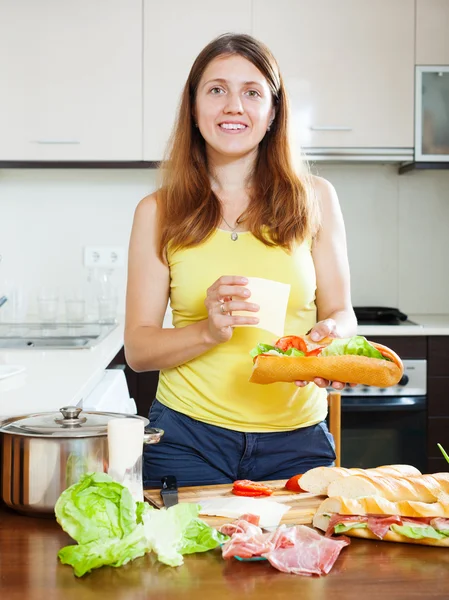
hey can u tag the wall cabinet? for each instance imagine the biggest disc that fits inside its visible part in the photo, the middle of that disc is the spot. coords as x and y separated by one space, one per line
174 34
348 66
432 32
71 80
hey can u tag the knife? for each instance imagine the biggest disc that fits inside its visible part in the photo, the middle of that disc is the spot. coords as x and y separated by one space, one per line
169 491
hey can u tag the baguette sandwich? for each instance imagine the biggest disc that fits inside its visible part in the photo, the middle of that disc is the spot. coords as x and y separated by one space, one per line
317 480
350 360
377 518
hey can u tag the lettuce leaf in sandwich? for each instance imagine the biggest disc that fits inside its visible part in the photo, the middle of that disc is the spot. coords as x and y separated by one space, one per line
357 345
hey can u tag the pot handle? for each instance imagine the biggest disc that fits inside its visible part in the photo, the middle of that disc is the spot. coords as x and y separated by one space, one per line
152 435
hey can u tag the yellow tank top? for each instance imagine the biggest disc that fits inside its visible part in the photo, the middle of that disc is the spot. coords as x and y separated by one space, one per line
214 387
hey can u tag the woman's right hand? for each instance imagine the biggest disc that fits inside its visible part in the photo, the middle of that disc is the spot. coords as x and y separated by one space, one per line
226 295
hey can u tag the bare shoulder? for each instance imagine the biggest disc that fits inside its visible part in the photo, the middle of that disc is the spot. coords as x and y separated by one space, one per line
147 207
325 192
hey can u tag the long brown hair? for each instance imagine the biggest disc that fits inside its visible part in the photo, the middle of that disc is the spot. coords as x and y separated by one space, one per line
188 209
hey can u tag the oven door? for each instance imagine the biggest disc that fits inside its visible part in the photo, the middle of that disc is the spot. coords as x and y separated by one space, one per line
381 430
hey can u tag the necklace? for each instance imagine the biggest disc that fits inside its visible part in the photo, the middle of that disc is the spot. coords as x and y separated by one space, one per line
234 234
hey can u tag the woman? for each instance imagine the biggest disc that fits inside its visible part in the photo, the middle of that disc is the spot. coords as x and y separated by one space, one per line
230 207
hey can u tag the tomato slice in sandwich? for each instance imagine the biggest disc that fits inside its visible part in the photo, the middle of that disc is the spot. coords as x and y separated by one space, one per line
293 484
315 351
245 487
291 341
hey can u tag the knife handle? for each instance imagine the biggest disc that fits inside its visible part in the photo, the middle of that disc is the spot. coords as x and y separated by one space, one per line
169 482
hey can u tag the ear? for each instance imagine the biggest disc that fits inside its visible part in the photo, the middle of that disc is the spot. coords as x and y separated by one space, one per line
272 115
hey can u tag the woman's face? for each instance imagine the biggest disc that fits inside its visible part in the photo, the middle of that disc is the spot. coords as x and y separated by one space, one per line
233 106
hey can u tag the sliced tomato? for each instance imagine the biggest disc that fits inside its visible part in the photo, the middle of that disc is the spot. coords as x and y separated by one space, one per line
252 493
293 484
315 351
291 341
254 487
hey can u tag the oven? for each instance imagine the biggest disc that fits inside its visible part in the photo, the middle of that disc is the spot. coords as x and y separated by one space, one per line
381 426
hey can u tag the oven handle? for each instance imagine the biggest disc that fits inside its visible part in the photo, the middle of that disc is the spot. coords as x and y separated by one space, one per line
381 403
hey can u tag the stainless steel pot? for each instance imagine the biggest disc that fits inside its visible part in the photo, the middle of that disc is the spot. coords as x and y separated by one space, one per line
43 454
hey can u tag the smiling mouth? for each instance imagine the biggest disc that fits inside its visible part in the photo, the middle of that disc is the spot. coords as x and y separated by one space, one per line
233 127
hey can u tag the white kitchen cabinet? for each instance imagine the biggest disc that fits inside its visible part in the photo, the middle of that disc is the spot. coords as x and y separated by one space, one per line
174 33
71 86
432 32
348 66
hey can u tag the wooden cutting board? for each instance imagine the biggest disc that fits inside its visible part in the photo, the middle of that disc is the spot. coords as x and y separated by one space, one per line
303 506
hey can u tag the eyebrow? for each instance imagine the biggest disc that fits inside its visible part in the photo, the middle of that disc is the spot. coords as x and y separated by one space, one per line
220 80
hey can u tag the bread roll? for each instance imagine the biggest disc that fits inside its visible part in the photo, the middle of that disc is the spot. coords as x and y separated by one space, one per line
419 488
317 480
348 368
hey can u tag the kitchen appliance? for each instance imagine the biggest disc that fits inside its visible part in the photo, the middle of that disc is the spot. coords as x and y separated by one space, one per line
382 315
43 454
381 426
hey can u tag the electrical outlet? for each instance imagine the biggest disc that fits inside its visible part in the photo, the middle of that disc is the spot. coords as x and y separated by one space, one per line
109 257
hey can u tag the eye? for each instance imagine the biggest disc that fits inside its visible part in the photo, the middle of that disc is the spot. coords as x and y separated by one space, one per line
216 91
253 94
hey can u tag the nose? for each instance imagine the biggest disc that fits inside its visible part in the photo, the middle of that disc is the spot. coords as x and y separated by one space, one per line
233 104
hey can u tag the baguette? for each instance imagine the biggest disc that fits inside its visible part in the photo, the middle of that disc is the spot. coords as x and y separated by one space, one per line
348 368
379 507
318 479
418 488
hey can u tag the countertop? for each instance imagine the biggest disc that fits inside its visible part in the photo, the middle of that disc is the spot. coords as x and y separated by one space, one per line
426 325
55 378
29 569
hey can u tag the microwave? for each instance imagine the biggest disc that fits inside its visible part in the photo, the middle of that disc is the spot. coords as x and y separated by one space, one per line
432 114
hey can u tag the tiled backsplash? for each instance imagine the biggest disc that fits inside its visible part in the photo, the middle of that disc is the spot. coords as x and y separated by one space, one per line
397 229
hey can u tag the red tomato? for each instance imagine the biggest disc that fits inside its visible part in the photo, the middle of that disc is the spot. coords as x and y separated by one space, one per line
291 341
252 493
315 352
249 488
293 484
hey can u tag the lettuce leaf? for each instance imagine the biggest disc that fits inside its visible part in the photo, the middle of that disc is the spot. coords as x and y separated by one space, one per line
112 529
443 452
177 531
356 345
114 552
341 528
418 533
96 508
268 349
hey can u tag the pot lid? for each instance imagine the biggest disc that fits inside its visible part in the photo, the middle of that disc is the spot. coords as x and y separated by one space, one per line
70 421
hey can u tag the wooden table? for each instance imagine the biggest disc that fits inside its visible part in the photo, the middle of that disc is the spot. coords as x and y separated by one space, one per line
30 570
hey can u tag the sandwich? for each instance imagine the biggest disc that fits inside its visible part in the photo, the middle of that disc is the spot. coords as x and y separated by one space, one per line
374 517
318 480
350 360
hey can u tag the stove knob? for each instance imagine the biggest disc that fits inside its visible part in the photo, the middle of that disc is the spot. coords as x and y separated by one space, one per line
404 380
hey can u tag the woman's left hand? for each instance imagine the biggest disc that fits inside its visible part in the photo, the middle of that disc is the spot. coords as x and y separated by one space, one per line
323 329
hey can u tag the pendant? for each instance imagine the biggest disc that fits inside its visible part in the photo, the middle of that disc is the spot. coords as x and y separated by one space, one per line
234 236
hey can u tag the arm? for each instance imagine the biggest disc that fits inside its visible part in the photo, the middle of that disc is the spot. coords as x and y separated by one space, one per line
329 252
149 347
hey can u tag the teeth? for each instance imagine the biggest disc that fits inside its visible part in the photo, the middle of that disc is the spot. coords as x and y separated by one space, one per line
232 126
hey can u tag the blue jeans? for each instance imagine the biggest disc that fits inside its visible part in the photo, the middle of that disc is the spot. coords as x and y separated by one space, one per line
201 454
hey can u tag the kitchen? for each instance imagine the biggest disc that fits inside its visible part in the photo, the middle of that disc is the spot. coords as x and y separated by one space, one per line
396 221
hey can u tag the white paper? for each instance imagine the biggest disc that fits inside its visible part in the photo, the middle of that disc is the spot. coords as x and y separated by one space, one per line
272 297
269 511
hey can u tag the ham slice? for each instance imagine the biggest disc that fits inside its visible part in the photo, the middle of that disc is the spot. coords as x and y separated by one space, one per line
303 551
440 524
299 549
